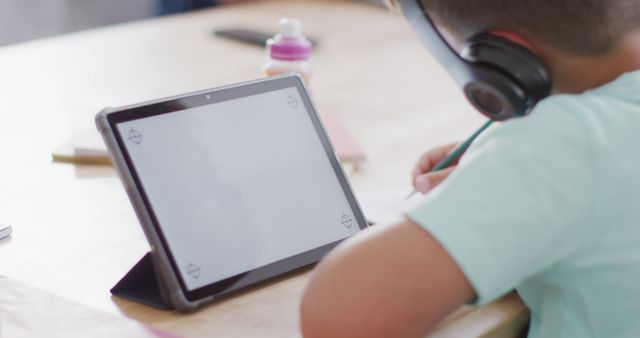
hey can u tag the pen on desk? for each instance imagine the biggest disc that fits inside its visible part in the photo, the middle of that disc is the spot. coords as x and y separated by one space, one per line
5 231
459 150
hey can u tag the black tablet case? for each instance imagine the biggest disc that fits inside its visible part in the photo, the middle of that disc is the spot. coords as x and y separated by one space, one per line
142 285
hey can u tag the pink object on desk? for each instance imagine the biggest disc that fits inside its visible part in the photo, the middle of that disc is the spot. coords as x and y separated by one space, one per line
345 146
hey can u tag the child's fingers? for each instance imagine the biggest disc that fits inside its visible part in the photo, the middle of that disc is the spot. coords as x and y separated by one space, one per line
426 182
431 159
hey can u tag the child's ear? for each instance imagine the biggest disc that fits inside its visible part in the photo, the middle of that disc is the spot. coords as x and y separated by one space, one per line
515 38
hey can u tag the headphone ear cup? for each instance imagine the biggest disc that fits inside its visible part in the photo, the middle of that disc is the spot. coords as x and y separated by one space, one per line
509 70
495 95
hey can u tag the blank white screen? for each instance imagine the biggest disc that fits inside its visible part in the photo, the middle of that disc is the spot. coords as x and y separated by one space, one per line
238 184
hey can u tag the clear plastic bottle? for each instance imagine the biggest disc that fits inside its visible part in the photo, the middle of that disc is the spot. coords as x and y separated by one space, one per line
289 51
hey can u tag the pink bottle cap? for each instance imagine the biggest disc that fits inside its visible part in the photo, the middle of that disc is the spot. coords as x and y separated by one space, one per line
290 44
290 49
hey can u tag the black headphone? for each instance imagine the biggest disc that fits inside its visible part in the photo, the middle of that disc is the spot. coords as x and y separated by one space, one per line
499 77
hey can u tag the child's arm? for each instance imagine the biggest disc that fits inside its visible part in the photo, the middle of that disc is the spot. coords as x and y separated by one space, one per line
391 281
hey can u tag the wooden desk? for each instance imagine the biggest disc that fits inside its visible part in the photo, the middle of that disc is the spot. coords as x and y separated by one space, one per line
75 233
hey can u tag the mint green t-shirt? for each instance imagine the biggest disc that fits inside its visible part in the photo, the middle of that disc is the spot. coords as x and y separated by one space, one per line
549 204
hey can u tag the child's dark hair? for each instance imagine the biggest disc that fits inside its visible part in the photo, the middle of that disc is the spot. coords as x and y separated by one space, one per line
578 27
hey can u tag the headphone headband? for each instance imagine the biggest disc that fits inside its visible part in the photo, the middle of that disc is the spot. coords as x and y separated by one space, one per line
499 77
431 38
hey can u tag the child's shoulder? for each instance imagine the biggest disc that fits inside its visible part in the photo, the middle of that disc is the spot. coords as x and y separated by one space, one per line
613 105
597 119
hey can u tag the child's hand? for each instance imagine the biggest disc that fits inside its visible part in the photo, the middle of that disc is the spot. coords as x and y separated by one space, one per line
423 179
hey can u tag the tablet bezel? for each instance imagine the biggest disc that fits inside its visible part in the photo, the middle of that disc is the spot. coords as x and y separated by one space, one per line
213 96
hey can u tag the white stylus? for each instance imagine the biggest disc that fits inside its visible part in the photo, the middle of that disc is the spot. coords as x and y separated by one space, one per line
5 230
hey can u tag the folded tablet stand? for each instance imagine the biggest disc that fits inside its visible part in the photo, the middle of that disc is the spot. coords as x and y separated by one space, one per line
142 285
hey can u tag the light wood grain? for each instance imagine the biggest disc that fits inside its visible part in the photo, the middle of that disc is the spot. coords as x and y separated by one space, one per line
23 314
506 317
75 233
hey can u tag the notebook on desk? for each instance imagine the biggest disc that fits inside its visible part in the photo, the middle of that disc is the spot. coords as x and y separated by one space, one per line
87 147
387 205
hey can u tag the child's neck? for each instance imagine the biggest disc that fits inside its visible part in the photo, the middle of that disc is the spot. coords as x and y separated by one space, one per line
577 74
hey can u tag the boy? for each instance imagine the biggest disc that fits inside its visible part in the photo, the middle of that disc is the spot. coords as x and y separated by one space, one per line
548 204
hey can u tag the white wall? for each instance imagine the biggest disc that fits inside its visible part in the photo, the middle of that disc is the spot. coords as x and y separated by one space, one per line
22 20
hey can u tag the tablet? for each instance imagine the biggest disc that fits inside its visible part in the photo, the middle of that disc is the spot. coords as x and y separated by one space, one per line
232 186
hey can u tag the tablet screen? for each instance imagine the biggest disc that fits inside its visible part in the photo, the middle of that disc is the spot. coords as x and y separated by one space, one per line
238 184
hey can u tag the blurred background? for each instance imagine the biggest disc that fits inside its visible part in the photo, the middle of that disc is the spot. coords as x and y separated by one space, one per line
22 20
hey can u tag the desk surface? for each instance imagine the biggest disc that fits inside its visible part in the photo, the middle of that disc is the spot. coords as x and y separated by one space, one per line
75 233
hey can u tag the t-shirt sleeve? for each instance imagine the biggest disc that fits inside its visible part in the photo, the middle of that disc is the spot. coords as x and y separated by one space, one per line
519 201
